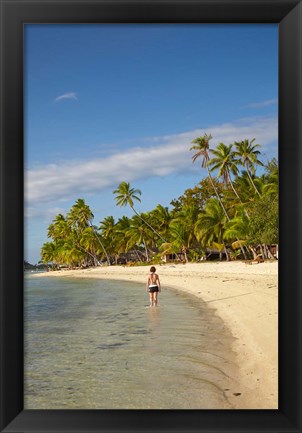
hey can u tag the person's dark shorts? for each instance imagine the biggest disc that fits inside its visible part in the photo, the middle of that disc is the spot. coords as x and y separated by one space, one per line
153 289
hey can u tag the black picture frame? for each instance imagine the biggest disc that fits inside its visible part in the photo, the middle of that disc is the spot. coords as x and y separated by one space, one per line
14 14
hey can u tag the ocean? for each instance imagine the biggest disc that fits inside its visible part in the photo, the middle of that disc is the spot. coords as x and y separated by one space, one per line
95 344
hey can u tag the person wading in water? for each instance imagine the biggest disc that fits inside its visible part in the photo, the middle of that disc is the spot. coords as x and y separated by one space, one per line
153 286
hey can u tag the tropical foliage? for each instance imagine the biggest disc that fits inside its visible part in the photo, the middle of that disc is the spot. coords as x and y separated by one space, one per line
232 212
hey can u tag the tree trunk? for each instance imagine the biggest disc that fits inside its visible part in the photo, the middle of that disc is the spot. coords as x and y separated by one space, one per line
226 253
103 248
154 231
94 258
254 252
262 251
217 195
244 253
251 180
265 250
184 250
138 257
268 251
147 255
99 241
87 252
221 204
235 192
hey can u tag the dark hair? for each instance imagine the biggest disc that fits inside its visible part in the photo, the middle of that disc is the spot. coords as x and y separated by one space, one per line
152 269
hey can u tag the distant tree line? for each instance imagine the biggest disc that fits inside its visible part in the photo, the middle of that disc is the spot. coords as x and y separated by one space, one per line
233 211
30 267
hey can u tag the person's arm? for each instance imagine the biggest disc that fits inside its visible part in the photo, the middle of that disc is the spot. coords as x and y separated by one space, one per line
147 285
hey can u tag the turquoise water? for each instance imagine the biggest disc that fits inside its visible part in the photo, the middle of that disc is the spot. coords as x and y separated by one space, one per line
95 344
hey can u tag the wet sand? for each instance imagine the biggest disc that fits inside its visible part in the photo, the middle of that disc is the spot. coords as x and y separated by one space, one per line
244 296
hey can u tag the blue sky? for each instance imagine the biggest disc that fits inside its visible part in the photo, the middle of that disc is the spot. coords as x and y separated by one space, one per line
112 102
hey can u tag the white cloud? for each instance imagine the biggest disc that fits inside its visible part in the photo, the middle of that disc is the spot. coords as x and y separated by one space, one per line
162 156
262 104
70 95
264 129
45 214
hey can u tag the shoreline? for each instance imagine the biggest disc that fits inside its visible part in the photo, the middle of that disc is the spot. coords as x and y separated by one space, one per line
244 296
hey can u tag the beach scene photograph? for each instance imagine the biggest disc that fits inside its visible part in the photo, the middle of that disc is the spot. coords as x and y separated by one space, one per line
151 216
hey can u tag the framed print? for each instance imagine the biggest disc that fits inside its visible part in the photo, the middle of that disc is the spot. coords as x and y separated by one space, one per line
109 96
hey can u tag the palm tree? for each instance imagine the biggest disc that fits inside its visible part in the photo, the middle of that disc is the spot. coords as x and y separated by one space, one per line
138 234
248 156
120 234
75 241
94 228
108 233
162 218
81 217
245 189
180 240
271 186
225 163
125 195
188 217
88 241
48 252
59 228
71 253
210 226
107 227
201 145
203 148
238 228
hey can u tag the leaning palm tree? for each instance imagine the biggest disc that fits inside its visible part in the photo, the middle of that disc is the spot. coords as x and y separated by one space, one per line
225 163
238 228
203 149
180 240
75 242
161 217
125 195
107 227
89 242
271 186
248 156
201 145
48 252
59 228
108 233
120 235
188 217
138 234
80 217
72 254
244 188
210 226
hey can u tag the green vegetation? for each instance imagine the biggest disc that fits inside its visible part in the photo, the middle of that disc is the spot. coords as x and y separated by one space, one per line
232 213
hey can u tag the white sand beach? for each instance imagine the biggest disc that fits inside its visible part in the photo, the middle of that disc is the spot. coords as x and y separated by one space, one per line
244 296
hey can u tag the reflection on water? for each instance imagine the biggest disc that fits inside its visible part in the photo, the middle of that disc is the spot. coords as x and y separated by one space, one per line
93 344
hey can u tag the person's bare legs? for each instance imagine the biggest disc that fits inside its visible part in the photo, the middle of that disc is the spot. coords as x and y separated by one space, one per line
155 298
151 299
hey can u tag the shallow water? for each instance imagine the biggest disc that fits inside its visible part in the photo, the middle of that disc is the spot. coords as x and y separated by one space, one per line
95 344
